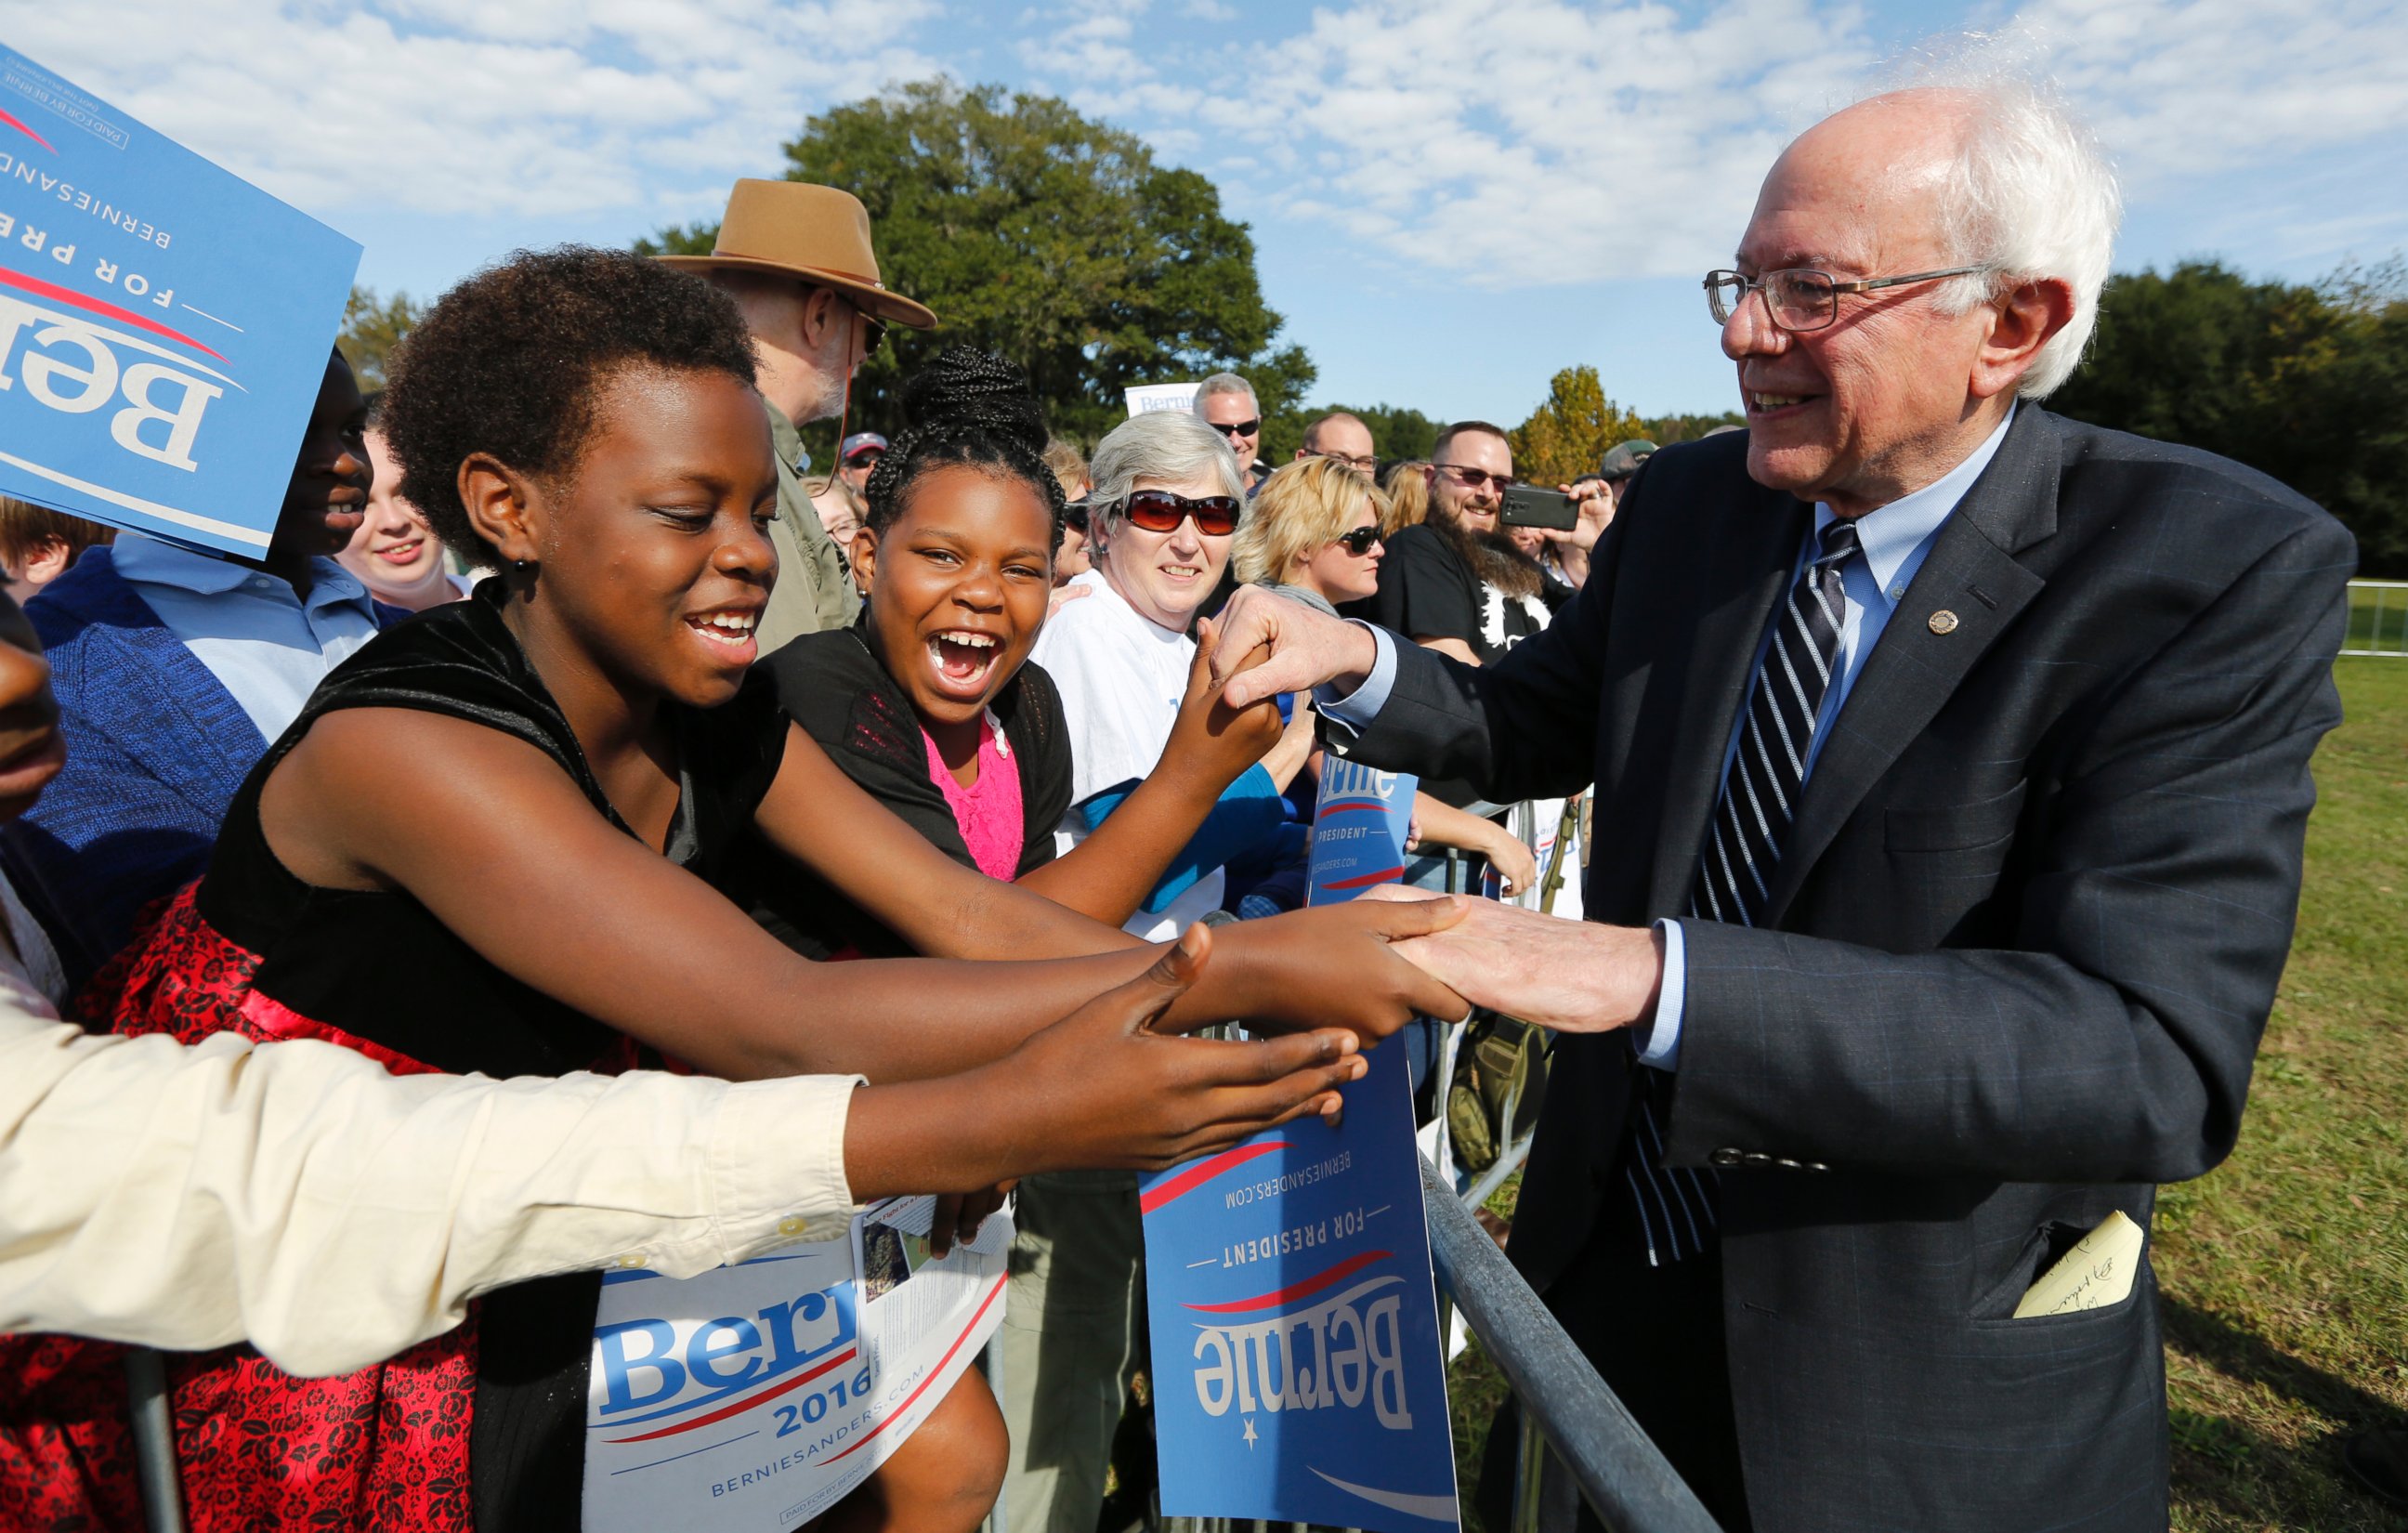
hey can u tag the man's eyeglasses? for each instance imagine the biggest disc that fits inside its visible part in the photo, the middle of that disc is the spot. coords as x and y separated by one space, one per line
1159 510
1237 428
1360 465
1472 479
1359 542
1800 299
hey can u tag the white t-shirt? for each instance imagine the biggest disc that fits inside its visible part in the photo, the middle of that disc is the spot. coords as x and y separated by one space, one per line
1122 677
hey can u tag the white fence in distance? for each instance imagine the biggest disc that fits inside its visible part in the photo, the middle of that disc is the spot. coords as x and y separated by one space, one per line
2378 619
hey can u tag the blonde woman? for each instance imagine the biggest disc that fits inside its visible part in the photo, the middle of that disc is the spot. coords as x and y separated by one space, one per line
1409 494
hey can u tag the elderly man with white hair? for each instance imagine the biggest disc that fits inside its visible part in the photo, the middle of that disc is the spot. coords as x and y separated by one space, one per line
1957 760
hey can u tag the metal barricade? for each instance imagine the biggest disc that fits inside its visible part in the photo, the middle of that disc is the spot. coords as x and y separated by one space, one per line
1578 1442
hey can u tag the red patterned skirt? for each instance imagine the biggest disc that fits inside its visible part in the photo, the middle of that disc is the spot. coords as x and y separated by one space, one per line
384 1447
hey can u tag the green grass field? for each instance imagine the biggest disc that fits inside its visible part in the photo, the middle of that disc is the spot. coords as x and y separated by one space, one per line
2284 1273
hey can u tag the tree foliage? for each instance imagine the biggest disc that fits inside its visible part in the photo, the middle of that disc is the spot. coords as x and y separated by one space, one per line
372 327
1396 431
1664 430
1052 239
2307 383
1567 435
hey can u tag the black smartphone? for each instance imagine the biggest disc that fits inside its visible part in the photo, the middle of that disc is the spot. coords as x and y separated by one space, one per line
1527 506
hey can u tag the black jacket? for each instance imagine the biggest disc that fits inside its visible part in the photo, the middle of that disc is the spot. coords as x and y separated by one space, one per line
2020 946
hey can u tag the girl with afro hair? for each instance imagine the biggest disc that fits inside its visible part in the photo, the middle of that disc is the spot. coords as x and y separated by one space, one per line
580 745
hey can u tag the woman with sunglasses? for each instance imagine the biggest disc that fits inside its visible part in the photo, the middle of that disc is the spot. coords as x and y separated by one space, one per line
1162 515
1314 534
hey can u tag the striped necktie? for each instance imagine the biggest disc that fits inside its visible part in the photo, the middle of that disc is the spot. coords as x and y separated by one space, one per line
1742 845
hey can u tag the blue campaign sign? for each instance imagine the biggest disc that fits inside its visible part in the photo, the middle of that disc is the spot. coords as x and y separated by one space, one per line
163 323
1296 1362
1298 1371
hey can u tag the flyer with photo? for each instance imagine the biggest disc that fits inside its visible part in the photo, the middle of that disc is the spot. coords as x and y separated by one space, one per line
751 1398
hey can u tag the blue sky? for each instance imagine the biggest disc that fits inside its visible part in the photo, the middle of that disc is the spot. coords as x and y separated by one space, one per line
1452 198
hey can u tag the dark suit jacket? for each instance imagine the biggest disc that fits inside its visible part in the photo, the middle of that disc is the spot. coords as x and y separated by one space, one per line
2022 942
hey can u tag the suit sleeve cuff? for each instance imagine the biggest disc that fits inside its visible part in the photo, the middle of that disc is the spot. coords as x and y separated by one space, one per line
1359 707
1660 1048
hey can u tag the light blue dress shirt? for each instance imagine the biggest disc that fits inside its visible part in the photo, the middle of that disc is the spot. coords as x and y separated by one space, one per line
1894 540
266 645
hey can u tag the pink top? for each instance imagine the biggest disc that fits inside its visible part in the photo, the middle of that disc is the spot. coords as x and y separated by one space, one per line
989 810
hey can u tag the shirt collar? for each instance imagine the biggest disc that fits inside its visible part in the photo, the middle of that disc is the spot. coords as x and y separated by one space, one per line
787 440
1889 535
154 561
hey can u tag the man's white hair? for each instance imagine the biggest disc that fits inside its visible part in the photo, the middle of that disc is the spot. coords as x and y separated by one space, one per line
2029 194
1223 383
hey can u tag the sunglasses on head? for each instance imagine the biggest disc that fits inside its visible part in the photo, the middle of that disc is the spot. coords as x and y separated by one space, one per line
1159 510
1359 542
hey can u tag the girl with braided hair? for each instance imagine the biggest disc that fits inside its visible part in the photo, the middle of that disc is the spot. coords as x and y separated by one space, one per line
929 701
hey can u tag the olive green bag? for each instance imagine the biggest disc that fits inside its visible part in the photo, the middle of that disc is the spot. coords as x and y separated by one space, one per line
1501 1074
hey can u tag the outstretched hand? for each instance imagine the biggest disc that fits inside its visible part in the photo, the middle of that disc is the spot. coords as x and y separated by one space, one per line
1571 975
1305 648
1335 965
1102 1088
1211 734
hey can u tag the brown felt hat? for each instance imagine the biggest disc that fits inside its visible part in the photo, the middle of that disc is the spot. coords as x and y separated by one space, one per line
814 234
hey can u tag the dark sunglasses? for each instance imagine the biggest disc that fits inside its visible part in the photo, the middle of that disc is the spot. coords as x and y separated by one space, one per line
1159 510
1472 479
1075 515
1359 542
1238 428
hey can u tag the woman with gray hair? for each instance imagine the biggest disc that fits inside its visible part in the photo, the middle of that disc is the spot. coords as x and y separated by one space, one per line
1162 516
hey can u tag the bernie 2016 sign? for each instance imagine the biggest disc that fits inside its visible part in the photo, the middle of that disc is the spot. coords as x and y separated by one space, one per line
164 325
1296 1361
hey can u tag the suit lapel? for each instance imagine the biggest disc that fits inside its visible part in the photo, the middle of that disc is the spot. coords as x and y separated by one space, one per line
1972 576
1747 568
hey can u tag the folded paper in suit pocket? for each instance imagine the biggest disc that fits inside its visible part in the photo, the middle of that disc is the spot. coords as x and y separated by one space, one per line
2097 1272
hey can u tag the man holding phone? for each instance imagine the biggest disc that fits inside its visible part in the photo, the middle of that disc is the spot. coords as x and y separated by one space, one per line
1459 583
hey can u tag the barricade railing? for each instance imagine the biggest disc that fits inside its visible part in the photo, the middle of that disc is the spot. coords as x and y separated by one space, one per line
1578 1443
2378 619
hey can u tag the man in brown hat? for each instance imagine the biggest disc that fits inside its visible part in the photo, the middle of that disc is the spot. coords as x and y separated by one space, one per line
797 260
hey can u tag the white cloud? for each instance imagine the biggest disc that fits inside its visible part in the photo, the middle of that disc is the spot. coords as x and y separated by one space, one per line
547 107
1500 144
1523 143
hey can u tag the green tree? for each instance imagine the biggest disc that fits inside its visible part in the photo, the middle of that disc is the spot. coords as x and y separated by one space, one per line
1664 430
1396 432
1565 436
681 239
1052 239
2307 383
372 327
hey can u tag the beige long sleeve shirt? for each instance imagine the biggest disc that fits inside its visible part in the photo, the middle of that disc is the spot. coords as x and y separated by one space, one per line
296 1195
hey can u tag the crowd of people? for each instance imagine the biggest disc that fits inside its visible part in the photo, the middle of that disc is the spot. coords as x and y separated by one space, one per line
577 759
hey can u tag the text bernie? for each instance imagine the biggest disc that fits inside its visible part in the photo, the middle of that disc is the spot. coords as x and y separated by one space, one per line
70 365
1340 1351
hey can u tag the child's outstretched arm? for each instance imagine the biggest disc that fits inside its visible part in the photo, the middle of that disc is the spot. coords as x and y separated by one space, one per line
1127 851
510 855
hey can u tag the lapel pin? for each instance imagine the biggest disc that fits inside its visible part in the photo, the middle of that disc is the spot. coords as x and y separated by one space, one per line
1941 622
